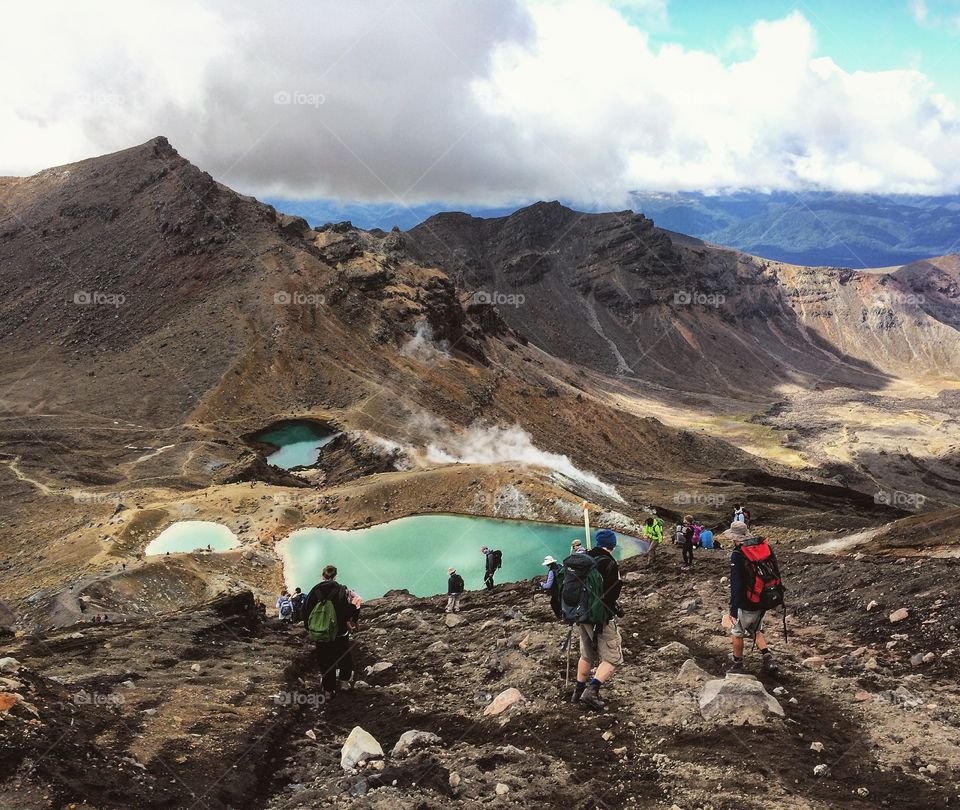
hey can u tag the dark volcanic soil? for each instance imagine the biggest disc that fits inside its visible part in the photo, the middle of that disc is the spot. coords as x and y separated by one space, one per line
183 711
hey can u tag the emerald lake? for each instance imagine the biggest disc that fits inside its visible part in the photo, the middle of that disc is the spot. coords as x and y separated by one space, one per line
192 535
414 552
297 444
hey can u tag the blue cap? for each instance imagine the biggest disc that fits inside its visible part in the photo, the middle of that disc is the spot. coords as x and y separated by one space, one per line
606 539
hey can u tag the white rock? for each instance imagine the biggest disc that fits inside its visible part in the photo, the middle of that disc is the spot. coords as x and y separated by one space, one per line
453 620
375 669
738 699
692 674
814 661
821 770
674 648
929 658
899 615
410 740
872 604
454 779
503 701
502 789
9 664
607 735
194 667
816 746
360 745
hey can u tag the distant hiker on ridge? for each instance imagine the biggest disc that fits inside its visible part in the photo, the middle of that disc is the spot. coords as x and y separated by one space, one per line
455 586
741 514
329 618
591 586
494 559
755 587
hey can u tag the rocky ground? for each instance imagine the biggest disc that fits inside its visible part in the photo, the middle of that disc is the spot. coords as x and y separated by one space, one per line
208 708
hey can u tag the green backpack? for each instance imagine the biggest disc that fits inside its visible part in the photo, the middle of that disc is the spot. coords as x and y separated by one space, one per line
322 622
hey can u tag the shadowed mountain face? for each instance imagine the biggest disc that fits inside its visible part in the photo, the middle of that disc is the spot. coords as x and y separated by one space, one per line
613 292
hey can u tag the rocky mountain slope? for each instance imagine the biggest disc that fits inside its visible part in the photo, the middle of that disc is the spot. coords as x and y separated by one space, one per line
208 707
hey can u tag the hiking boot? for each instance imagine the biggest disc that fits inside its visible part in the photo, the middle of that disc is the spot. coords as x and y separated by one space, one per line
768 664
736 666
577 693
591 698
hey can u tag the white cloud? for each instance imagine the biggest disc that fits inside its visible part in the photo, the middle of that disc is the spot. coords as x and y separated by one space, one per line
460 102
919 10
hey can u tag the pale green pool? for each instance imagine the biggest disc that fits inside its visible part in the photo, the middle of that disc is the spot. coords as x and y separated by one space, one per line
298 444
414 552
192 535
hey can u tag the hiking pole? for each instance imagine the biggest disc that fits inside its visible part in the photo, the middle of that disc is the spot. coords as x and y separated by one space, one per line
586 522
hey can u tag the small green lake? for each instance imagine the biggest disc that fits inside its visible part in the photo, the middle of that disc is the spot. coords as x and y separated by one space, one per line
192 535
415 552
297 444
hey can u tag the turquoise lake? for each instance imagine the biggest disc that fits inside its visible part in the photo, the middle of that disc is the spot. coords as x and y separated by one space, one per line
190 535
298 444
415 552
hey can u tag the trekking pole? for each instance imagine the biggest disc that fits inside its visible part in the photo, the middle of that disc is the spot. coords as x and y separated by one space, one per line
586 522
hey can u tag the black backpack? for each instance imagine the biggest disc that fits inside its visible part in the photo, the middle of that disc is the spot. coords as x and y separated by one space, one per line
497 559
458 583
581 591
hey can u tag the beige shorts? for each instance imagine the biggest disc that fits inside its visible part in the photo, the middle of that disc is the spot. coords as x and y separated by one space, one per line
605 646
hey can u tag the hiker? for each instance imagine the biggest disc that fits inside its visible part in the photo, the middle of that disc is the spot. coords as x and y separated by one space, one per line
653 533
576 547
329 617
285 607
260 609
455 586
552 583
741 514
299 600
493 562
687 545
595 612
706 539
755 587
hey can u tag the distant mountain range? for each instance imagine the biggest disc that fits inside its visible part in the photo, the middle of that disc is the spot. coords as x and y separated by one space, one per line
811 228
815 228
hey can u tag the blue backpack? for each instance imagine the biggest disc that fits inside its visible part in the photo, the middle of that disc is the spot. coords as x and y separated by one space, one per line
706 538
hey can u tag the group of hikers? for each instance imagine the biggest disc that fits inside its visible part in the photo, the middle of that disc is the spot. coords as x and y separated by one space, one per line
584 590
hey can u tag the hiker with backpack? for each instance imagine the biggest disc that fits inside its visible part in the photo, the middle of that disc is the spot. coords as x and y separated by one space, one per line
299 599
329 617
285 607
494 559
588 599
455 586
552 584
755 588
741 514
686 546
653 534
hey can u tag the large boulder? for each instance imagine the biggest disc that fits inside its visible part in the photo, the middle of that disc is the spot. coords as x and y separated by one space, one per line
738 699
360 745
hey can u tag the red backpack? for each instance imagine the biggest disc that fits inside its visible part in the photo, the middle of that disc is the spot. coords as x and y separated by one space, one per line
764 588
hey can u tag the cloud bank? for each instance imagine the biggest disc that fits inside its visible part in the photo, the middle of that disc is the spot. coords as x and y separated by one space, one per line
460 102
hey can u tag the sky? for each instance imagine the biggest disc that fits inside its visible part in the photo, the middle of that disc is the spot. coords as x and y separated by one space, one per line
484 105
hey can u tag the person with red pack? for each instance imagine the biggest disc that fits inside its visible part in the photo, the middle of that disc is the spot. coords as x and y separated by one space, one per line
755 588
